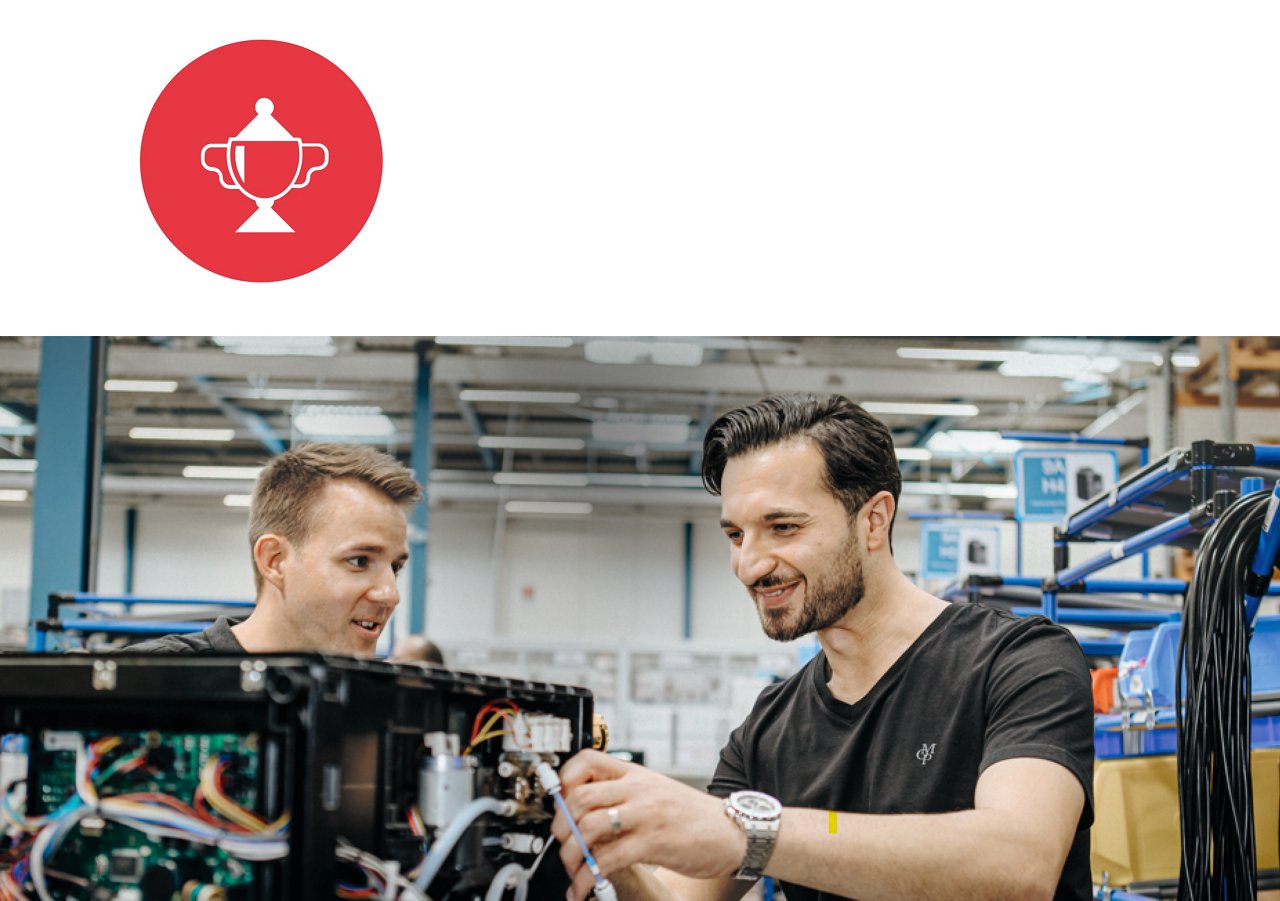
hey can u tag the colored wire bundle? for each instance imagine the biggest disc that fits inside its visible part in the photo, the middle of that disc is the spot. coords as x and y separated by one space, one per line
504 710
1214 775
386 881
241 834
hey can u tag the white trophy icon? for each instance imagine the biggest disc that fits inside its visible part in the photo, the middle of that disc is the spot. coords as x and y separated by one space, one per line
264 162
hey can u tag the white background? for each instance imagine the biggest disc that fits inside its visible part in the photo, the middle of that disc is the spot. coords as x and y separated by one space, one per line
686 167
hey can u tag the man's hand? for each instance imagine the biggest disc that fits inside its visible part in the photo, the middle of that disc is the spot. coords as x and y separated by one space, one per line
659 821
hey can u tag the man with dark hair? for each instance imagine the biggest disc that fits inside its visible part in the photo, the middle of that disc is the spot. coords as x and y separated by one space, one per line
417 649
327 535
930 751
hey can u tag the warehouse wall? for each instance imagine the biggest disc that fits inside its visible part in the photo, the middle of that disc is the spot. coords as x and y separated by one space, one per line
599 577
596 578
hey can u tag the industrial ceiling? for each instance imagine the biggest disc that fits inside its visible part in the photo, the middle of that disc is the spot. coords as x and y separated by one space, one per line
606 420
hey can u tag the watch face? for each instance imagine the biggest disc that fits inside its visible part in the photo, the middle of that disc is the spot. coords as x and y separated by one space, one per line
755 804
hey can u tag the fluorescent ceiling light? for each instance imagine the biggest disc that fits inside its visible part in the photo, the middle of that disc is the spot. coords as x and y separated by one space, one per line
152 386
335 395
1186 361
10 418
13 495
970 442
480 396
920 409
961 489
543 479
641 429
221 472
1063 366
552 507
644 480
507 342
238 500
957 353
349 422
664 353
913 453
309 346
514 443
17 465
158 434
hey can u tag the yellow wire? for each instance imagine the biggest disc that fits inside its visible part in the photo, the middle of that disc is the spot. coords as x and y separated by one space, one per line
485 734
224 805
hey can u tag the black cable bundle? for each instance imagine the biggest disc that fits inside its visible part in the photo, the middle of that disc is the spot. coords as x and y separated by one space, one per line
1215 790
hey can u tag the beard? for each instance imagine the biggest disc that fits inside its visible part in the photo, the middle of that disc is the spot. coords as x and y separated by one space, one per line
828 596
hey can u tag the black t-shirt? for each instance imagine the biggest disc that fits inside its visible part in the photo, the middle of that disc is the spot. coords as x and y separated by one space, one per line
978 686
216 639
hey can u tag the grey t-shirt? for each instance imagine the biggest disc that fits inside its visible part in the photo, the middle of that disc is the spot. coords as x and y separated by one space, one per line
216 639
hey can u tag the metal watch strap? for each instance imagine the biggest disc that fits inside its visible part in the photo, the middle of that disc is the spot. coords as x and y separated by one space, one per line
762 835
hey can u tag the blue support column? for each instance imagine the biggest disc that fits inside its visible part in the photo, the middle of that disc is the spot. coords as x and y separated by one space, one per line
420 460
67 507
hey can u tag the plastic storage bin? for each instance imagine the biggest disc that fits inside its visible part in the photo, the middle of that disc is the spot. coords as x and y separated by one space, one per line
1132 678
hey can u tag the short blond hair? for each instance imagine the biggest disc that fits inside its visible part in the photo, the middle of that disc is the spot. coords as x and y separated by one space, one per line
290 486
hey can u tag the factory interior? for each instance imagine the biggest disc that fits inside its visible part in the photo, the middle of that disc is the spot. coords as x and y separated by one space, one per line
573 572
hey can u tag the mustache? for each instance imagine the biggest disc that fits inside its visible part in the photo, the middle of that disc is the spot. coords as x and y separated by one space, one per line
770 581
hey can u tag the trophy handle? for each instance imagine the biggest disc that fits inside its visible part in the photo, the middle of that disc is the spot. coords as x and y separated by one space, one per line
306 178
205 163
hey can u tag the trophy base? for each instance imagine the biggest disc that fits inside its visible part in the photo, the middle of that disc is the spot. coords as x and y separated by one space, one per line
264 219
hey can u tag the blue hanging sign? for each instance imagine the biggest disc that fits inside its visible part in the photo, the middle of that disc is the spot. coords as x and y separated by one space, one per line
1053 484
952 550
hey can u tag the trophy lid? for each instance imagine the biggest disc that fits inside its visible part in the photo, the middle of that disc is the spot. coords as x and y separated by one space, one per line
264 127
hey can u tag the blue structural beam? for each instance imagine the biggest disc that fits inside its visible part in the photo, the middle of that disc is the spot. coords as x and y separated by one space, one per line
1152 481
132 626
1049 605
419 518
1266 454
1126 586
67 505
84 598
1070 438
1103 617
1165 532
1132 586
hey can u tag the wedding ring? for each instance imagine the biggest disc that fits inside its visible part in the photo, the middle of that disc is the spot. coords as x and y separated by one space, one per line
615 821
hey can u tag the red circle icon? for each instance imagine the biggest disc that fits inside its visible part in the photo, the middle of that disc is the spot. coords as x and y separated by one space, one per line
261 161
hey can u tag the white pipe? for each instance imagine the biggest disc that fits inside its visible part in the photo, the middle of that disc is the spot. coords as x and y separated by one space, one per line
449 837
498 887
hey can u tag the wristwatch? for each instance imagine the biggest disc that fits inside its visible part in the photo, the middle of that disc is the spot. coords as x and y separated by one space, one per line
758 816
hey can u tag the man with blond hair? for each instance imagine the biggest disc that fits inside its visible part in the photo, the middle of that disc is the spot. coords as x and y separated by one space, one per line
328 537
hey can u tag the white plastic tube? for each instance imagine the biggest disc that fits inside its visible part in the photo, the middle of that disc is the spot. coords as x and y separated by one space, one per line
445 841
498 887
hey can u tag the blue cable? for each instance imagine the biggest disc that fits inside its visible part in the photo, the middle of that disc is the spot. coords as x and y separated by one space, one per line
1258 579
551 782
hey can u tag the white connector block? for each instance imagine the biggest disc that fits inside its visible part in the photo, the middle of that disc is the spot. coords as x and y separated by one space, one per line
538 732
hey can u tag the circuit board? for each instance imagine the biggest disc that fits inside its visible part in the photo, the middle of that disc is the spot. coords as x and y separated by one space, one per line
119 862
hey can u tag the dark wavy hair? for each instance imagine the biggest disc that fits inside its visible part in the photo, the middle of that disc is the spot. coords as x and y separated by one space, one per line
856 446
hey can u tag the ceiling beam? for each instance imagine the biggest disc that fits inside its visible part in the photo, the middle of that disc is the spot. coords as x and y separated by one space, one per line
733 380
